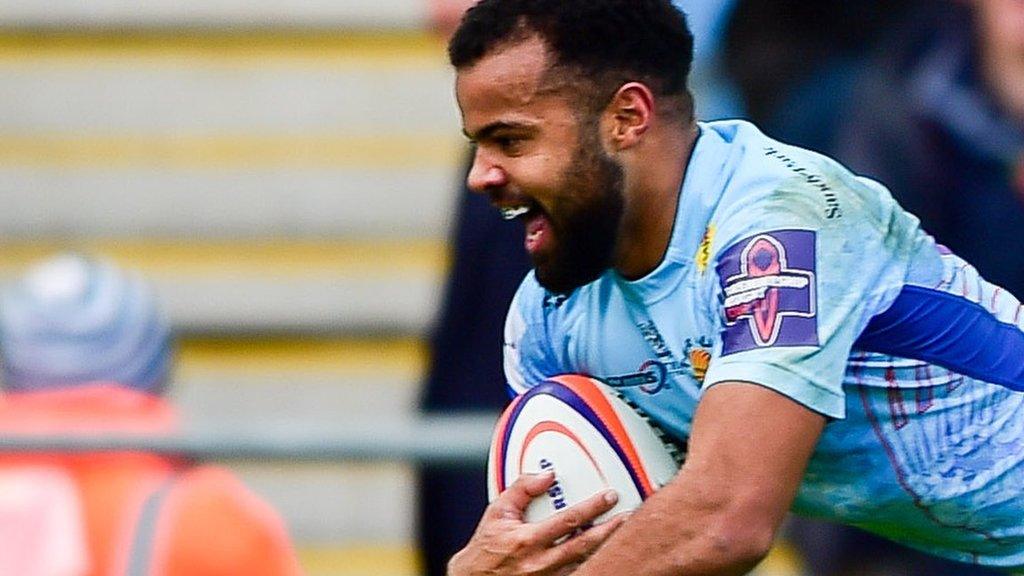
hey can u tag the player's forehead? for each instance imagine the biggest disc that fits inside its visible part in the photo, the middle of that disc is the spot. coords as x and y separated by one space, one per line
510 85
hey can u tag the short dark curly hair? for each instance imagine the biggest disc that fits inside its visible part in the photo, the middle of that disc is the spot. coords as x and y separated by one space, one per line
603 42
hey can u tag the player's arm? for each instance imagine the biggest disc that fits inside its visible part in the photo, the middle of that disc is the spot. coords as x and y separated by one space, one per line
505 545
747 454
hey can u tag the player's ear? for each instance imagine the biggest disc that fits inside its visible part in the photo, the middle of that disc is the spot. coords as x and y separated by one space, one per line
630 114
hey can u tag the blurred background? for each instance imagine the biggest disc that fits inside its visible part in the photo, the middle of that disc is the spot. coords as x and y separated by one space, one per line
283 172
287 174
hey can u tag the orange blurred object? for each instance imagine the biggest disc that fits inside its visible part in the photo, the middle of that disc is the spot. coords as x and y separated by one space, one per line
139 513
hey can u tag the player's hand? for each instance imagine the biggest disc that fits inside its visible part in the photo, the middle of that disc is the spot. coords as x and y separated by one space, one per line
505 545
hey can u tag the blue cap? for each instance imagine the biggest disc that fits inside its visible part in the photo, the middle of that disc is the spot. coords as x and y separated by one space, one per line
72 320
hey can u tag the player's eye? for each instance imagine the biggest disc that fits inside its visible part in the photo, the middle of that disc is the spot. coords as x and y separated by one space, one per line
509 144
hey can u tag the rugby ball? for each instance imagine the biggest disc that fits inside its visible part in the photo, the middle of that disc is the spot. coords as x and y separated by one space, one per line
589 436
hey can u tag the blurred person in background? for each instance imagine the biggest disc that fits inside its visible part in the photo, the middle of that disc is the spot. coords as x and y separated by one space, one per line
938 117
86 351
794 63
464 373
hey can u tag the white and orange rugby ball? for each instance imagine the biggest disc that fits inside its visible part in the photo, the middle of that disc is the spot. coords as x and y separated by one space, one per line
592 439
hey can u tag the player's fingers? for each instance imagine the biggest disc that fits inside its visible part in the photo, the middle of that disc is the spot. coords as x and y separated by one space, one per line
568 570
596 536
577 549
514 500
576 517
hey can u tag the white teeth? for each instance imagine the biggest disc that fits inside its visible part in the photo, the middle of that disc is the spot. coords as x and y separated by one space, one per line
511 213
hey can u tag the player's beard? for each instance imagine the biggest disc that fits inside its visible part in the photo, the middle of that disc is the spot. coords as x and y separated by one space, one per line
586 227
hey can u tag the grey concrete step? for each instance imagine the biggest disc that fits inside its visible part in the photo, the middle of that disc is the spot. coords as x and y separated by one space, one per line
348 13
224 134
311 384
260 286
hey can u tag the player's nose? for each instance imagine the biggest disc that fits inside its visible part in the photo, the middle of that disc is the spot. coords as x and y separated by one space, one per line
485 174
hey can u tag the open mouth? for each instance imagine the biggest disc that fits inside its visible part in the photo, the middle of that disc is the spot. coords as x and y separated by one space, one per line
534 218
538 230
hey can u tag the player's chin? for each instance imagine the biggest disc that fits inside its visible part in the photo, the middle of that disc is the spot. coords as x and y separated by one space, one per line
561 279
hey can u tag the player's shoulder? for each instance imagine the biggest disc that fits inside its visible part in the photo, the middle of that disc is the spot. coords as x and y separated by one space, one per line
765 173
786 206
774 185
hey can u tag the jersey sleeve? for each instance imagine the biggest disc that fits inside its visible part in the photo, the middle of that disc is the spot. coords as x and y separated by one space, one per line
798 276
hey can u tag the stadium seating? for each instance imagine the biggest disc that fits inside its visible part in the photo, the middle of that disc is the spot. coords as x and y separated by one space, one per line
284 173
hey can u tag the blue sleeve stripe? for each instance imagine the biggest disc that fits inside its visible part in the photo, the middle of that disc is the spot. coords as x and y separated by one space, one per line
949 331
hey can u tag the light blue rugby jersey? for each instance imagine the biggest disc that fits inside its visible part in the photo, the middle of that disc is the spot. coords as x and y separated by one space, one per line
787 270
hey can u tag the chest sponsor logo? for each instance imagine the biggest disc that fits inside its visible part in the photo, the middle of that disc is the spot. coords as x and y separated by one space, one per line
655 375
768 283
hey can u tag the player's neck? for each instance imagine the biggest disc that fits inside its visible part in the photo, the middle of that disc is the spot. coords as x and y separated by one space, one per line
654 176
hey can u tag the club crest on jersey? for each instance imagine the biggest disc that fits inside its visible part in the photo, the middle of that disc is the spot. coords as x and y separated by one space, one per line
769 291
700 360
